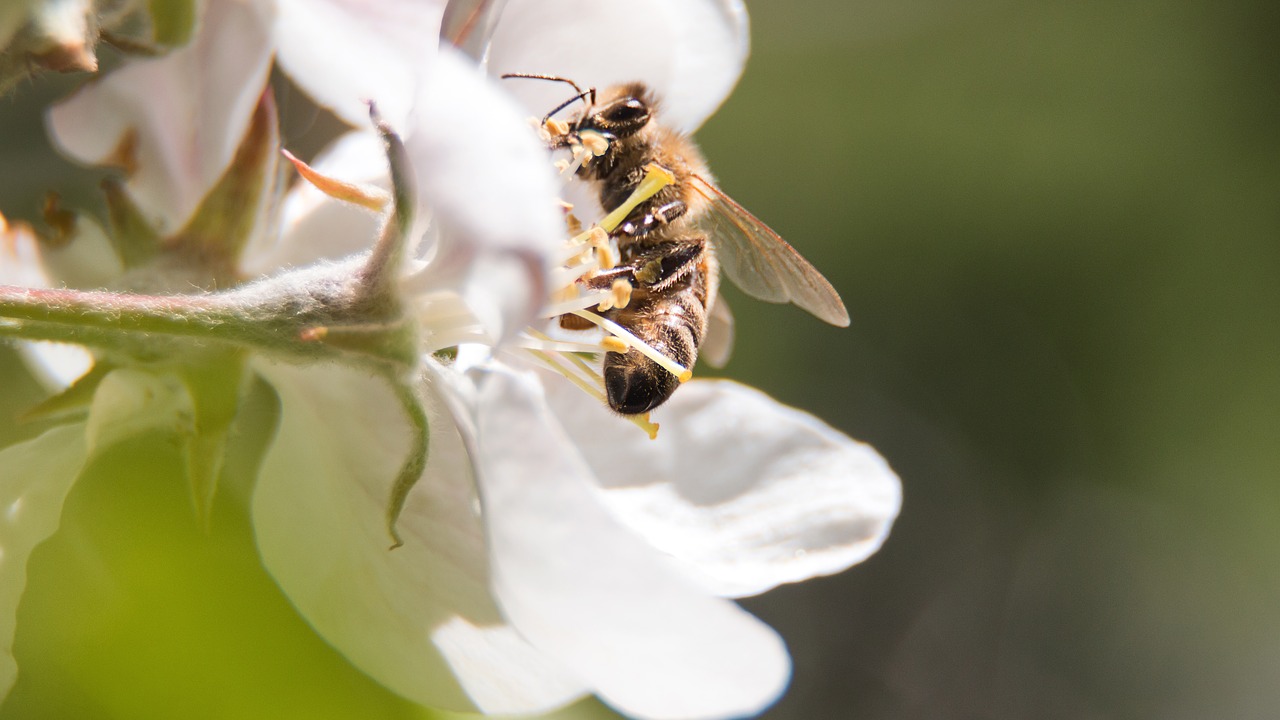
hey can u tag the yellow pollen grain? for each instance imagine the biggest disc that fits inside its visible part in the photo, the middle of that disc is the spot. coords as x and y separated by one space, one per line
541 128
598 237
558 127
613 344
644 423
594 142
605 255
621 293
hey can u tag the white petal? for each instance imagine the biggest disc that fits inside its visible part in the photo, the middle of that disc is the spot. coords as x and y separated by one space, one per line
35 477
347 52
418 619
55 365
747 492
488 185
690 51
89 261
186 111
316 226
20 257
595 595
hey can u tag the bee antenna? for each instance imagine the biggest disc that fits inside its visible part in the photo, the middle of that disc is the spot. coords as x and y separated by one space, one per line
582 94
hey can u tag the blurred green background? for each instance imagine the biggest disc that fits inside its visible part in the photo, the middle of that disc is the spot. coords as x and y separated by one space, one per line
1057 229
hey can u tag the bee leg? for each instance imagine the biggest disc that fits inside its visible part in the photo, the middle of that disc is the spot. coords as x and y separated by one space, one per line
603 279
652 221
670 262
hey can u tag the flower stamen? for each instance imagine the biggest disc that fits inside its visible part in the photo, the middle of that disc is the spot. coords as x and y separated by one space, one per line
681 372
656 177
586 255
587 378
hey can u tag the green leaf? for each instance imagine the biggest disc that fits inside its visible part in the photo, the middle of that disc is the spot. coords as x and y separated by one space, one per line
35 477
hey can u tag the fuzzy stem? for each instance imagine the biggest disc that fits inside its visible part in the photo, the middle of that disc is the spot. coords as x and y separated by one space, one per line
183 315
106 319
60 332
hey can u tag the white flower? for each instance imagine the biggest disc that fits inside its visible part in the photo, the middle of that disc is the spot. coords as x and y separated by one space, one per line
551 550
175 123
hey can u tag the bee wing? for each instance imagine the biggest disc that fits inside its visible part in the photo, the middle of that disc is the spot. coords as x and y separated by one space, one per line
717 346
760 262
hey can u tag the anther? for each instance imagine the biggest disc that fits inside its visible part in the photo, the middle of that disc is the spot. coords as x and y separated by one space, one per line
594 142
621 293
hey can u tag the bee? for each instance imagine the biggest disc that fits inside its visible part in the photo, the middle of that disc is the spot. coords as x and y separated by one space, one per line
673 245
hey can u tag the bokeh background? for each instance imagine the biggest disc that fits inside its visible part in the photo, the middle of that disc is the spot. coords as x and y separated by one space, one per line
1057 229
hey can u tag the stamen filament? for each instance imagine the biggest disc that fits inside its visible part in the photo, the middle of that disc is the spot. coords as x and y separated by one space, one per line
550 361
682 374
581 364
566 277
579 303
641 421
557 346
656 177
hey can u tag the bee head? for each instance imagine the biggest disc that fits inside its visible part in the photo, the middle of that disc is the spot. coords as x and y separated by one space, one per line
620 118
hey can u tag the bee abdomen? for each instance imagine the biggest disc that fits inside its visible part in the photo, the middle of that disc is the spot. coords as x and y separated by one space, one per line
674 325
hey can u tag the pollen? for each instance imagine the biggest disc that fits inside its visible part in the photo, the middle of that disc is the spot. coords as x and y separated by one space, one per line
621 293
613 344
541 128
594 142
557 127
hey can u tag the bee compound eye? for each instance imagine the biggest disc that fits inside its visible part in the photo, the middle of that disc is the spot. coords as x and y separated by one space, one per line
627 112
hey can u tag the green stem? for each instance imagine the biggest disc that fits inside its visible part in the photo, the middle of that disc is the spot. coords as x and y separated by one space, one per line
182 315
110 320
57 332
